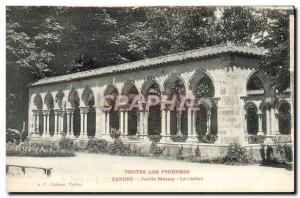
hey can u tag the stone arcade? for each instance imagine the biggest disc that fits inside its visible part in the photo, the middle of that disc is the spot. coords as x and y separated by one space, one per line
237 107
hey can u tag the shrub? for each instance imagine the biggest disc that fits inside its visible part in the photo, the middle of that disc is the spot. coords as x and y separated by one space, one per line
285 152
179 155
115 133
13 136
281 154
155 150
154 138
66 143
96 145
236 154
138 152
197 157
197 152
118 147
178 138
38 150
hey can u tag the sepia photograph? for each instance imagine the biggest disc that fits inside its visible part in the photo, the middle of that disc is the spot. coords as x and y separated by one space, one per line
164 99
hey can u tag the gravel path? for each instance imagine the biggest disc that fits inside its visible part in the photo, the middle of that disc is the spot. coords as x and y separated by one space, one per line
103 173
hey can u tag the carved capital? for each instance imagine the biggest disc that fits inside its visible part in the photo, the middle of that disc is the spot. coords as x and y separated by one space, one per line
70 110
57 111
36 112
46 111
84 110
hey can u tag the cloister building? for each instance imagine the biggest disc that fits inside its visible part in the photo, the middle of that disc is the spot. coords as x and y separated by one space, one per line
236 100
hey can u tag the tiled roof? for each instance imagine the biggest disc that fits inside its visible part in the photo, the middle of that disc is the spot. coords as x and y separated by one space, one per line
193 54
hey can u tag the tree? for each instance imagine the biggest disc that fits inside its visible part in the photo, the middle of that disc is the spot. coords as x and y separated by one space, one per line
49 41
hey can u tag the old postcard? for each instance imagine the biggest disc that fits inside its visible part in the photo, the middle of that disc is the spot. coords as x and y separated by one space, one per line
150 99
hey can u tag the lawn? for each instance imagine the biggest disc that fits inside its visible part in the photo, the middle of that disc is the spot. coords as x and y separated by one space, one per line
99 172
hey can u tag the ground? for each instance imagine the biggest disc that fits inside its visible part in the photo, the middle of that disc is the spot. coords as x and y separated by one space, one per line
99 172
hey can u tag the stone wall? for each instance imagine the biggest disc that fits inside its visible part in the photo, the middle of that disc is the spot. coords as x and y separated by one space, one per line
229 74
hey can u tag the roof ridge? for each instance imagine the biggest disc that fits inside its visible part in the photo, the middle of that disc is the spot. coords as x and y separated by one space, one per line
195 53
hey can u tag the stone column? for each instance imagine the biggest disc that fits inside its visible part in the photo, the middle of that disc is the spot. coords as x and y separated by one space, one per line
56 122
268 120
165 125
70 112
260 132
61 128
44 124
178 117
38 123
72 123
107 124
48 124
276 124
208 123
191 136
168 122
146 117
83 122
121 123
34 132
245 138
163 122
141 125
98 123
46 114
194 128
125 123
269 139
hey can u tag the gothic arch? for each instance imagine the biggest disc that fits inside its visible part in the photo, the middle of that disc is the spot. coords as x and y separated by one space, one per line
73 98
59 98
74 101
151 87
284 117
256 81
169 82
49 102
128 87
150 82
197 79
87 96
112 90
38 102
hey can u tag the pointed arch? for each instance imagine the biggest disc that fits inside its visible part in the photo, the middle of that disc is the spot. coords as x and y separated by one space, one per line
284 117
38 105
38 102
87 96
49 102
129 88
73 98
74 101
89 101
112 91
255 82
174 84
202 85
150 86
59 98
